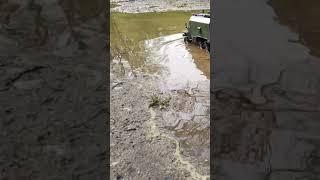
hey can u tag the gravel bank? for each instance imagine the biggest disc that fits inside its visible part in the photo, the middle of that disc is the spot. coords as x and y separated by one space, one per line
142 6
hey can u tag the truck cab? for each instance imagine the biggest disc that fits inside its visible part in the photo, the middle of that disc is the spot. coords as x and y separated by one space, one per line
197 30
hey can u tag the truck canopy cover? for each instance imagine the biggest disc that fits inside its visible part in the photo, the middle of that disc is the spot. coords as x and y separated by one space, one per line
200 19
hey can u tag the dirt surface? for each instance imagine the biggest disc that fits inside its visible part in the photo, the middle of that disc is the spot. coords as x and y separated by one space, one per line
141 6
142 146
52 90
133 155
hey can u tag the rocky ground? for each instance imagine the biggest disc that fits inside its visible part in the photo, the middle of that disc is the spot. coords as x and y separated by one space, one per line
141 6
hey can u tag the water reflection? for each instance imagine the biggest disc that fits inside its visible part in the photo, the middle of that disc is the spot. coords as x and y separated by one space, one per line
129 31
181 64
153 43
302 17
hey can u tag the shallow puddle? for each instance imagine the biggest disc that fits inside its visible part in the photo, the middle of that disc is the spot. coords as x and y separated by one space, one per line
153 43
179 64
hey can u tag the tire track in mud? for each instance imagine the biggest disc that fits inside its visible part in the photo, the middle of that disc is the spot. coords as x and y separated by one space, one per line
154 132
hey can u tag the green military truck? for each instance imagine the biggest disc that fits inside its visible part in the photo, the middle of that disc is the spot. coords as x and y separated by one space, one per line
198 30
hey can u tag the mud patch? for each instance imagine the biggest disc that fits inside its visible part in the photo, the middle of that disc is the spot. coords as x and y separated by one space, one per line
184 164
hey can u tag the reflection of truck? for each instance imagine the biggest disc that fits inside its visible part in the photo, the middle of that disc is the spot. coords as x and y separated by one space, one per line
198 30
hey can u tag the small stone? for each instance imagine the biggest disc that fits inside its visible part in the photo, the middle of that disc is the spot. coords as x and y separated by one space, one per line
131 128
114 163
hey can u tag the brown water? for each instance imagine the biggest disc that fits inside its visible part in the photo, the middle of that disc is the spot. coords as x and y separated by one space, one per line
180 65
153 43
302 17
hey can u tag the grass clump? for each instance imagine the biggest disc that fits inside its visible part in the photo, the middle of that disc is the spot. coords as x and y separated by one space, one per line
157 101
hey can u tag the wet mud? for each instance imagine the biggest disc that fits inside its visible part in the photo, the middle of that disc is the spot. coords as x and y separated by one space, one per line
53 89
266 110
159 63
185 164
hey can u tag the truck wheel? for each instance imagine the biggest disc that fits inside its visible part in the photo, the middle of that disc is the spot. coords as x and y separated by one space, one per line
194 40
203 45
185 39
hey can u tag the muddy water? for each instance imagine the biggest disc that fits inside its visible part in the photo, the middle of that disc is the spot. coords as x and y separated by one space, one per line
152 43
180 65
302 18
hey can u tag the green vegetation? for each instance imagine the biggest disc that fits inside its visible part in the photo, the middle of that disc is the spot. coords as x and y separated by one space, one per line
156 101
